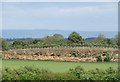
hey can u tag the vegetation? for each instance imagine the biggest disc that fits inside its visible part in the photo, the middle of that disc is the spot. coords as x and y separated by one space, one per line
99 58
57 66
33 70
74 39
77 73
4 44
106 59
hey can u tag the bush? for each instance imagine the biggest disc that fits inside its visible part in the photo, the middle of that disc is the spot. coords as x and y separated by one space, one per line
99 58
107 58
78 73
5 45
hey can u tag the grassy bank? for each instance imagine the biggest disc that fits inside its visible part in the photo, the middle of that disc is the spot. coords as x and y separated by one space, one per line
57 66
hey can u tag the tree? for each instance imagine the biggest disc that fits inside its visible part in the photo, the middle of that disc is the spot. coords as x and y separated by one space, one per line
102 41
101 36
58 37
35 41
115 39
108 41
5 45
18 43
74 37
55 37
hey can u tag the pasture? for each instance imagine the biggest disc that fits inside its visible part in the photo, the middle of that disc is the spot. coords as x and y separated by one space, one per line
57 66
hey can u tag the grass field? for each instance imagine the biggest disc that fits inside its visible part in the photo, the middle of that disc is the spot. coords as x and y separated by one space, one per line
57 66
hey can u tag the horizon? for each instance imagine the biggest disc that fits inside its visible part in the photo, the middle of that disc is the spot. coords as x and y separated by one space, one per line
62 30
37 33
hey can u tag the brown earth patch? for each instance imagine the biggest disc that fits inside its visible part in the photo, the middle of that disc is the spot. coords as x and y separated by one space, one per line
63 54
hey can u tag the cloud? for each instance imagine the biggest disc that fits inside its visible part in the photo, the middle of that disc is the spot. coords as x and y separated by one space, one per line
58 11
30 16
89 10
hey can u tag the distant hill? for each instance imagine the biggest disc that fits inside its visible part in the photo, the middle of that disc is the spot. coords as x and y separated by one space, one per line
21 39
39 33
27 39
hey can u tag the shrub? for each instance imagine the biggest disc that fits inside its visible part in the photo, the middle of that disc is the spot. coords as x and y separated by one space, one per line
111 74
78 73
107 58
99 58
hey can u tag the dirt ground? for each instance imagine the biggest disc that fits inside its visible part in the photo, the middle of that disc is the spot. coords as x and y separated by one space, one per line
64 54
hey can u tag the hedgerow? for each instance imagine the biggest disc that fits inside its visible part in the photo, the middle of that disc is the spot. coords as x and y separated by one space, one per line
78 73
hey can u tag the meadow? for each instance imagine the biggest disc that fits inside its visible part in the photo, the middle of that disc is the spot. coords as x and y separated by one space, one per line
57 66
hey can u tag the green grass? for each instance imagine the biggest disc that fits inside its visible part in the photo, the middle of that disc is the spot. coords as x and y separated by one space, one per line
57 66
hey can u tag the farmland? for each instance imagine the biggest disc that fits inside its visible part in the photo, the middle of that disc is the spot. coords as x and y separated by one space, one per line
57 66
58 70
57 58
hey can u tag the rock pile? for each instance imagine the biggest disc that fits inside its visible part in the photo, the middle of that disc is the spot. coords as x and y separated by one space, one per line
66 54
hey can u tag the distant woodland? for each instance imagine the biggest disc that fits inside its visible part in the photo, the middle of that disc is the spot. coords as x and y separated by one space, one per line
57 40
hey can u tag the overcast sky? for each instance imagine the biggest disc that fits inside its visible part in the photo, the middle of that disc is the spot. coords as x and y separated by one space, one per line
82 16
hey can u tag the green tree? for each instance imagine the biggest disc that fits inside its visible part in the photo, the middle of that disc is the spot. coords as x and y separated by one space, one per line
108 41
101 37
115 40
19 44
5 45
35 41
74 37
102 41
55 40
58 37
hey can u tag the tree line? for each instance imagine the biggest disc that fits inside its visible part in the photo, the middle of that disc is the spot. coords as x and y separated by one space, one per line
74 39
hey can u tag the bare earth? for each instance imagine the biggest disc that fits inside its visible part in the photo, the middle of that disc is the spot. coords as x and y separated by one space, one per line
64 54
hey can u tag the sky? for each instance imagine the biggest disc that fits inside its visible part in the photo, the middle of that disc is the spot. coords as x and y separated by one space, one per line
59 0
82 16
